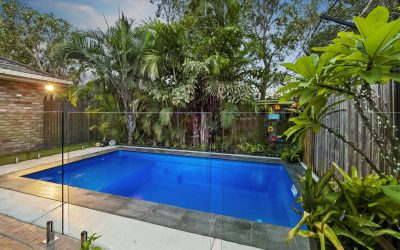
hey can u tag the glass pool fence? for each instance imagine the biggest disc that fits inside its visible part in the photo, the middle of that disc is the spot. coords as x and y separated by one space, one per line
145 180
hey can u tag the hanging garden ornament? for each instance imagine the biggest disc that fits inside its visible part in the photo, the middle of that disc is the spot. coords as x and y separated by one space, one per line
270 129
272 138
277 107
271 111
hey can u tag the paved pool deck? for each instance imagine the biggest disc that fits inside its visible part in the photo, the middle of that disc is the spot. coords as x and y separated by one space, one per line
132 224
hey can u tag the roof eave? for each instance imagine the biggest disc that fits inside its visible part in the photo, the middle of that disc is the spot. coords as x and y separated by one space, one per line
26 77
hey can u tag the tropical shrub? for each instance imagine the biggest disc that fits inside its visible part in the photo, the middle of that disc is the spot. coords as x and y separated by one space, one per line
350 212
88 245
348 69
251 147
292 154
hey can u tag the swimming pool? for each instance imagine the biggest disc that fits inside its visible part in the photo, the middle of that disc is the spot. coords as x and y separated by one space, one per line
247 190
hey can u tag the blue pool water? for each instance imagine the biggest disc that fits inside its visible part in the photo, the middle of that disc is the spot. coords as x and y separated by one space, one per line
247 190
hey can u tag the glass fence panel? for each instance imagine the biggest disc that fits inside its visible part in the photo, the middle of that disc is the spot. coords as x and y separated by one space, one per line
140 180
210 181
30 142
258 189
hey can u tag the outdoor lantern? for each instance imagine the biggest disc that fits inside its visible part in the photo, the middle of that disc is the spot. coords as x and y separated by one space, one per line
49 87
270 129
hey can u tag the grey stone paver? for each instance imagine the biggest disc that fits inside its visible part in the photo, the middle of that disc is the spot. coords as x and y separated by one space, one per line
267 236
196 222
232 229
136 209
164 215
105 202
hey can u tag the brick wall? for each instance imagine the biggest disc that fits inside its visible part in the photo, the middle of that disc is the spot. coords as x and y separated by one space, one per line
21 116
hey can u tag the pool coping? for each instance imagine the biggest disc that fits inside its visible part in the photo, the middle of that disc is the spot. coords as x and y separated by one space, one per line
228 228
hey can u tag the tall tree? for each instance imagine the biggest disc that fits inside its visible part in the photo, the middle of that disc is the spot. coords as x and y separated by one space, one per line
273 30
114 58
29 37
202 55
170 10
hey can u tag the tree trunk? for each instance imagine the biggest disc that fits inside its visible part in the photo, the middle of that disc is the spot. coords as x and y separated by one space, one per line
130 125
204 129
263 91
131 119
195 128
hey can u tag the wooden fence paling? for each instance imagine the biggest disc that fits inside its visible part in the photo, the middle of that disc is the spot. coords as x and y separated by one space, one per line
322 148
76 124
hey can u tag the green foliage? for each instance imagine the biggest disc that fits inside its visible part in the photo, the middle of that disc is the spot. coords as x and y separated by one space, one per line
271 29
114 58
350 212
194 64
292 154
346 70
252 147
29 37
393 192
88 245
228 113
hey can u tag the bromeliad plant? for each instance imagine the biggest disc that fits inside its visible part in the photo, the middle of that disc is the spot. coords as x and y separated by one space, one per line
348 69
88 245
350 212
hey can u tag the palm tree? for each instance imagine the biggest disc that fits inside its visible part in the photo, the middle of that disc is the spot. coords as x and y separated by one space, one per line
113 56
202 55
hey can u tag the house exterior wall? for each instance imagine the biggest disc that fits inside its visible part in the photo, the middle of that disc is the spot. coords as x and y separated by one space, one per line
21 116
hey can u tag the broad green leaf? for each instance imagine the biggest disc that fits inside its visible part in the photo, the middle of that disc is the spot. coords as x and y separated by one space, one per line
373 76
326 217
303 66
342 172
362 25
330 234
321 240
289 86
393 192
349 200
377 40
362 222
344 232
354 172
388 232
322 182
392 76
306 233
378 15
306 96
389 44
294 230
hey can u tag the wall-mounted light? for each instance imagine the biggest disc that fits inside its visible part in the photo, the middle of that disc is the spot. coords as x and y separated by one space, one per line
49 87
